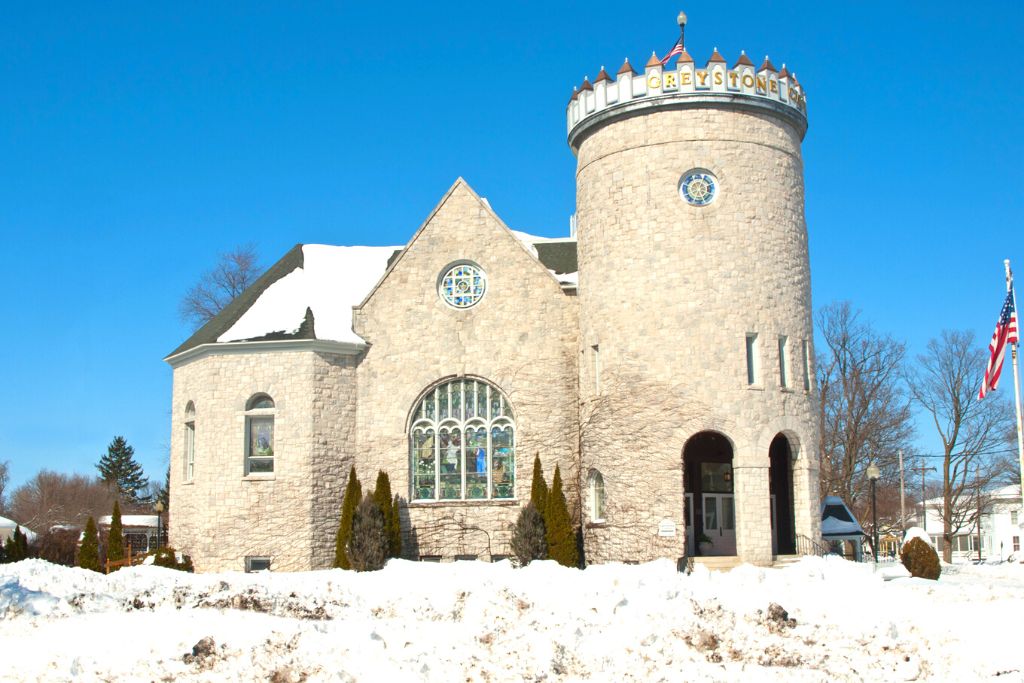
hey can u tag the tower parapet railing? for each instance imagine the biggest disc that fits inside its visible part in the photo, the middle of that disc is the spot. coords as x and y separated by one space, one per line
686 85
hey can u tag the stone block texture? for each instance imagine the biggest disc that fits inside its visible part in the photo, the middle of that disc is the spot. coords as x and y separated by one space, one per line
668 294
618 379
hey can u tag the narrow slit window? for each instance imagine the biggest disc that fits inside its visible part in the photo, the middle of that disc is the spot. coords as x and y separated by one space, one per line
806 353
783 369
597 368
752 367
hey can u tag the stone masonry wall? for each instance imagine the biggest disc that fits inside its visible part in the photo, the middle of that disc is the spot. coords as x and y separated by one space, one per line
521 338
222 516
668 292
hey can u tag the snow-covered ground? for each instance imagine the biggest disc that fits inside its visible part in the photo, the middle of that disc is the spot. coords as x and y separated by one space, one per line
471 621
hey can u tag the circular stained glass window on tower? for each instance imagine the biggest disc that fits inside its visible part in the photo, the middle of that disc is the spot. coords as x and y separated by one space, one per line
698 187
463 285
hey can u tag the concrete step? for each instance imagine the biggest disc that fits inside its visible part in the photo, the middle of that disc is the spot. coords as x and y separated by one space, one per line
718 563
785 560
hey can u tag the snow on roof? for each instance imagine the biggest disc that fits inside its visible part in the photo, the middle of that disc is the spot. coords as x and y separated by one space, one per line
132 520
12 525
837 520
330 282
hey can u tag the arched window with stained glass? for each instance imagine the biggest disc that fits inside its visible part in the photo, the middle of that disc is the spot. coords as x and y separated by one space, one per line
462 443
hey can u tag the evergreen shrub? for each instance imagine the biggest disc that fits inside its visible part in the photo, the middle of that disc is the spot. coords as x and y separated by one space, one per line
528 536
168 557
353 494
561 536
89 553
115 538
920 559
368 547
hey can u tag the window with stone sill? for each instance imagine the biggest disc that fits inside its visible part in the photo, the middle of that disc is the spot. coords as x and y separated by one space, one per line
259 435
462 443
190 441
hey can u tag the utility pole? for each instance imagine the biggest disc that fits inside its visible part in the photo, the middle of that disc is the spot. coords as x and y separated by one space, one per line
922 468
903 503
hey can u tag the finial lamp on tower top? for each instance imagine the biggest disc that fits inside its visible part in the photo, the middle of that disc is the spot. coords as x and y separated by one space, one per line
681 19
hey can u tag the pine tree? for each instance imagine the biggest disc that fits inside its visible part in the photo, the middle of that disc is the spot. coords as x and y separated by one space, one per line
22 542
353 494
382 496
539 488
118 467
396 528
561 537
528 536
368 547
115 540
89 553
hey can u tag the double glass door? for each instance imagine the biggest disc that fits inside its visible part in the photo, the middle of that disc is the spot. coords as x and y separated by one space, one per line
720 522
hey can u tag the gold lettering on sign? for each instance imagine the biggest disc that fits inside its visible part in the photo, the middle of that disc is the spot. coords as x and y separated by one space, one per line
718 78
670 80
773 86
733 78
684 78
762 84
653 81
702 76
748 81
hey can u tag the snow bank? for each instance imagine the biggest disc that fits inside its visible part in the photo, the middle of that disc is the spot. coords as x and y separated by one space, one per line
820 619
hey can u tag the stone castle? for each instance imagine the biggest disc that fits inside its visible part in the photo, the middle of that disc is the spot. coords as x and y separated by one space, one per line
661 356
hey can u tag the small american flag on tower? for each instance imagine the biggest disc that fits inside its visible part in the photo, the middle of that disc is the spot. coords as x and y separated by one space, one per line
677 49
1006 333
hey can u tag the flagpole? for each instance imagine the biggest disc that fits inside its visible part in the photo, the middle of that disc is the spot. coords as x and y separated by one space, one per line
1016 380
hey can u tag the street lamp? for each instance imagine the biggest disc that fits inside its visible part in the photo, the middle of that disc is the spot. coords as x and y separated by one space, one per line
159 507
873 474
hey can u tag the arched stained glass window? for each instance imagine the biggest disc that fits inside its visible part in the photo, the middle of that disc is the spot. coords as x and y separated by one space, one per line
462 443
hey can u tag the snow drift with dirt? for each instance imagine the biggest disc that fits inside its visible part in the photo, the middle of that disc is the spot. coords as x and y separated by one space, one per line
819 619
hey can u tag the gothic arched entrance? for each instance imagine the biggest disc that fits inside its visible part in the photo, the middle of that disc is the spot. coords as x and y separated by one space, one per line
710 504
780 484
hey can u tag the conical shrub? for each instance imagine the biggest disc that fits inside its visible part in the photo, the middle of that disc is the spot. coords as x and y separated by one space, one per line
528 536
560 535
368 547
89 553
539 488
353 494
115 539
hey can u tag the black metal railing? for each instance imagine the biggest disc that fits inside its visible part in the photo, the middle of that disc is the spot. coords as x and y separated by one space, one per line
808 546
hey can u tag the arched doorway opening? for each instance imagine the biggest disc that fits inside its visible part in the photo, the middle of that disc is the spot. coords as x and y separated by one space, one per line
709 501
780 484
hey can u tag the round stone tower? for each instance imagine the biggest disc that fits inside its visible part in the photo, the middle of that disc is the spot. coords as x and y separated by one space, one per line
698 419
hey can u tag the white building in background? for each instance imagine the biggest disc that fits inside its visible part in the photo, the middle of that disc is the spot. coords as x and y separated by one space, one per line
1002 527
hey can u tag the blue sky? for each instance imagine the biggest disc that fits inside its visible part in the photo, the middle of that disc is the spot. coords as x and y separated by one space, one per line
139 142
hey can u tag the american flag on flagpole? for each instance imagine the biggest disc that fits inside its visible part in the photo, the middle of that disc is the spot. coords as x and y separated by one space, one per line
1006 333
677 49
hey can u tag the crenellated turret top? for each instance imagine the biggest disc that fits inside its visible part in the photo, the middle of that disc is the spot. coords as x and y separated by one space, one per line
687 84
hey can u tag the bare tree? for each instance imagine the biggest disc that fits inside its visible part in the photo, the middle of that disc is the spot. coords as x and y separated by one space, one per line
216 288
55 499
973 432
865 411
5 474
